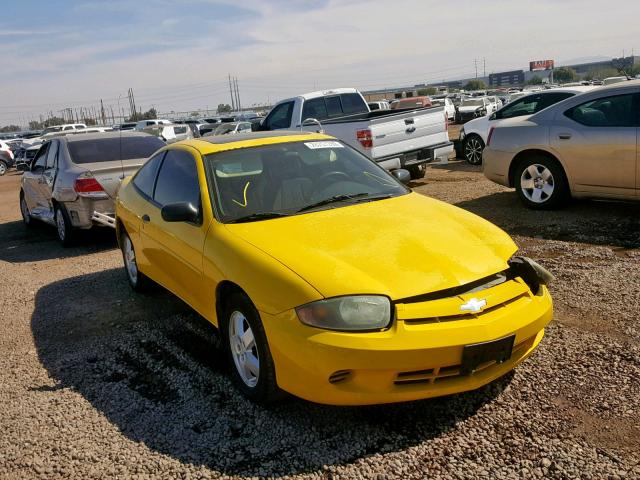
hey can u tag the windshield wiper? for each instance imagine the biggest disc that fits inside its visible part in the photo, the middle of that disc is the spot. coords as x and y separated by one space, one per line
375 197
258 216
336 198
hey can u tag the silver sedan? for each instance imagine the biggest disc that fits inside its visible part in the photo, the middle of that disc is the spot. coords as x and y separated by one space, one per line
585 146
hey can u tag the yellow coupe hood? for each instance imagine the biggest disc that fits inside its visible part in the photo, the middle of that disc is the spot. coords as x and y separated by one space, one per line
400 247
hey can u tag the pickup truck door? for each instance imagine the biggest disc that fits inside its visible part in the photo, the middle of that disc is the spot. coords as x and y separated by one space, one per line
279 117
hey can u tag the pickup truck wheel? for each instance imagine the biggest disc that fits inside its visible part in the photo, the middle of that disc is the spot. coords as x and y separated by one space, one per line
138 281
417 171
245 341
66 232
3 167
472 148
24 210
541 183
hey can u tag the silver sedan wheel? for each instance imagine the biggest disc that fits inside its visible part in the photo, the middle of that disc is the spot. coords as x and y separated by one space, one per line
473 150
130 260
244 349
62 230
537 183
3 168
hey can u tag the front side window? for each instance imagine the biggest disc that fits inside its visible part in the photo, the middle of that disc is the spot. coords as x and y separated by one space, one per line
177 180
614 111
293 178
280 116
145 179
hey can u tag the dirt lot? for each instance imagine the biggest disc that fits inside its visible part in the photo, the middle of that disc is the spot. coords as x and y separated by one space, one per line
98 382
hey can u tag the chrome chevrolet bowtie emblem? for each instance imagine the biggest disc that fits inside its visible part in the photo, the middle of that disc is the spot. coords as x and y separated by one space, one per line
474 305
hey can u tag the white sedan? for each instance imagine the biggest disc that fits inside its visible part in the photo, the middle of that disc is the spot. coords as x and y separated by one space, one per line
473 136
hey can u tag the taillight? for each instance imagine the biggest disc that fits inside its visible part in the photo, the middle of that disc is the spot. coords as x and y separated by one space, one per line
365 138
88 186
490 135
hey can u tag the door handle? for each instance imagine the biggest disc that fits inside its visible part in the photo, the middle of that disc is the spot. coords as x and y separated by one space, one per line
410 129
145 218
564 136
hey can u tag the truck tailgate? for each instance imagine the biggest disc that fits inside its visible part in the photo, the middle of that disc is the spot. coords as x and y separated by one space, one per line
414 130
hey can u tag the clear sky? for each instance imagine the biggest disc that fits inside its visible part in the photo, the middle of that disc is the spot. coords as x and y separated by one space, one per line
176 54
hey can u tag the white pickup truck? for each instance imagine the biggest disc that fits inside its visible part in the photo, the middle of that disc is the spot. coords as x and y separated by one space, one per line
395 139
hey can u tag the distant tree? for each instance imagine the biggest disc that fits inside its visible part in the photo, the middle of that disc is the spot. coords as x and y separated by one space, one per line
425 92
35 125
564 75
195 114
10 128
475 85
535 80
601 73
148 115
224 108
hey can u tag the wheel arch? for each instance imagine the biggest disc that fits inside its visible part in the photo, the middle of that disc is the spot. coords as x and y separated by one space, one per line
525 154
224 290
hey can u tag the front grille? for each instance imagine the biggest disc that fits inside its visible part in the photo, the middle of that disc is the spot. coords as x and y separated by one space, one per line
463 316
452 372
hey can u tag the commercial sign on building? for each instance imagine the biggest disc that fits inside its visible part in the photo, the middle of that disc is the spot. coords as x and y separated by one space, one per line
540 65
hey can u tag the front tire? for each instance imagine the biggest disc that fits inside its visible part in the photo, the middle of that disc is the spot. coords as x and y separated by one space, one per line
66 232
3 167
138 281
472 148
541 183
253 370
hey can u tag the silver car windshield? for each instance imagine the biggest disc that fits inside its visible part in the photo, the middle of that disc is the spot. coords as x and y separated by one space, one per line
471 102
293 178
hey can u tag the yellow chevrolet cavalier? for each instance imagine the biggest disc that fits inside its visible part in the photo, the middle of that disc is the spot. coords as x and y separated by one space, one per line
325 275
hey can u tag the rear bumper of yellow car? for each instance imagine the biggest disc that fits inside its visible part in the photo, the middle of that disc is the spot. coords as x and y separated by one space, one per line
409 361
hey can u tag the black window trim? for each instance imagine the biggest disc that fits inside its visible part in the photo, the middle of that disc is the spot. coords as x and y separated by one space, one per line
138 189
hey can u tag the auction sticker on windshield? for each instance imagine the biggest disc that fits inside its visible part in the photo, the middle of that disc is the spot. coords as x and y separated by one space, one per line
316 145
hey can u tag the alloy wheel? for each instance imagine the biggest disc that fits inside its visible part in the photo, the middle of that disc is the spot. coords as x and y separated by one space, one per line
3 168
26 216
244 349
537 183
473 151
130 260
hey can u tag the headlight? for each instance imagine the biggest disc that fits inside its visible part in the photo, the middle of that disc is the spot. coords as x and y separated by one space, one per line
353 313
531 272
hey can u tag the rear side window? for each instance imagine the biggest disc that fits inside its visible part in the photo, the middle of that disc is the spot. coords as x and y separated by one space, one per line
146 176
614 111
334 107
314 108
352 103
113 148
177 180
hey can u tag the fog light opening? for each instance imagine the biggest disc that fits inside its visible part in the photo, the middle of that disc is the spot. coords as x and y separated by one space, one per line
340 376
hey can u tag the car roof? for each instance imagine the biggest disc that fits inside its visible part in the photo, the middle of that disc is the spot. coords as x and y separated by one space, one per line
220 143
98 136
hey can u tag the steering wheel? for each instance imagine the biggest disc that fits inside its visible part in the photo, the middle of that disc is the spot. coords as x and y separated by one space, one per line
326 176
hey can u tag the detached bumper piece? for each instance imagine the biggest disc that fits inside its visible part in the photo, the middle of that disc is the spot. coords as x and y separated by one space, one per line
105 219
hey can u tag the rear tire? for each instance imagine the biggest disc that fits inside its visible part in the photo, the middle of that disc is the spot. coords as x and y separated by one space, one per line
472 148
3 167
66 232
417 171
138 281
541 183
252 368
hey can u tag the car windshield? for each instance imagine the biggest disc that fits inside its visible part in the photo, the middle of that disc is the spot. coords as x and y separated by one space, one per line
471 102
225 128
293 178
51 129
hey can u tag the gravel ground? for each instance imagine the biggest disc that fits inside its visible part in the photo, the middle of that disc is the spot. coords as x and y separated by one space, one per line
97 382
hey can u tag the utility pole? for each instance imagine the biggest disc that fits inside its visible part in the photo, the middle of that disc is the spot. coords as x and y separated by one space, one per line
484 67
475 61
233 103
238 104
104 118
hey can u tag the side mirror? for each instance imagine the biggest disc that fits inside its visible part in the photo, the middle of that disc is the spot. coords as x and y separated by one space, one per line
402 175
22 167
180 212
493 116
